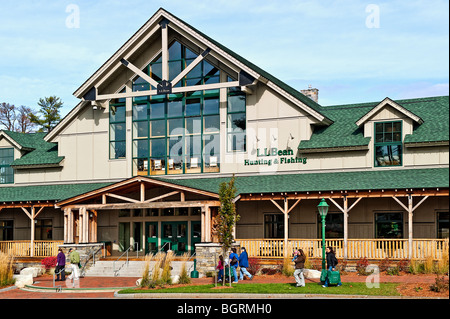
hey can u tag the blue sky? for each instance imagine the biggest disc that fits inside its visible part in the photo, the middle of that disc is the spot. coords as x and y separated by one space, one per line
341 47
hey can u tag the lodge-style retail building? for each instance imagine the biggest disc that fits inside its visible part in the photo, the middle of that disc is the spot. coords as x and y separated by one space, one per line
173 113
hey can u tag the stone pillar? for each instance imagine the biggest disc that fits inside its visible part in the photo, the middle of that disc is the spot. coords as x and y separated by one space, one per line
207 255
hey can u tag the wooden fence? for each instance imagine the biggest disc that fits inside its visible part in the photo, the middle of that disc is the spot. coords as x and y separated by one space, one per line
22 248
356 248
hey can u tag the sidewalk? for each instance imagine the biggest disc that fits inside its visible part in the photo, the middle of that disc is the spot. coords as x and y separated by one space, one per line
104 287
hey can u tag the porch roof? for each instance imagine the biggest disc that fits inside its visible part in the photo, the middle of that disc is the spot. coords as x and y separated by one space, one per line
390 179
54 192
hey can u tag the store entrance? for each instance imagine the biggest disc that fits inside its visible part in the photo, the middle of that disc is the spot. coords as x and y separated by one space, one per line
151 233
174 237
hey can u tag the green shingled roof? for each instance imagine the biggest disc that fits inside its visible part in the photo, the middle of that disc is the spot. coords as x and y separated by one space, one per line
345 133
362 180
42 152
55 192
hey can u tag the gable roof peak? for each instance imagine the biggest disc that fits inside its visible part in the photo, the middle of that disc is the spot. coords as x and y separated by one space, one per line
388 102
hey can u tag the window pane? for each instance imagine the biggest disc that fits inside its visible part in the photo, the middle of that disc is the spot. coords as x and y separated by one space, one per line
236 103
140 148
157 110
388 155
193 125
156 71
176 127
211 106
237 142
236 122
212 124
158 128
443 225
209 70
175 108
158 147
118 150
212 145
117 113
176 146
174 69
389 225
190 54
117 132
175 51
193 145
193 107
140 129
140 112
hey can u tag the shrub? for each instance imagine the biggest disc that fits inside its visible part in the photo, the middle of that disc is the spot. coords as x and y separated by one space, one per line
394 271
403 265
428 266
442 265
384 264
287 268
269 271
49 262
361 266
342 266
441 284
6 270
416 267
254 265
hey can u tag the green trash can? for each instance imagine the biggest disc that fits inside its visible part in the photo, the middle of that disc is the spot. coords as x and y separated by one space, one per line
194 273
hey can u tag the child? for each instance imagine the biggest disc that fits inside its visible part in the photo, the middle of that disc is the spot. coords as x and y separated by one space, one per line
220 267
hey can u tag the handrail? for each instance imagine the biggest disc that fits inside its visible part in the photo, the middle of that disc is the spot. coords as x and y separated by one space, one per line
116 272
162 247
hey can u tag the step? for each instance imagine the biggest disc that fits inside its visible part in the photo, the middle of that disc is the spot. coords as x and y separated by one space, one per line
134 269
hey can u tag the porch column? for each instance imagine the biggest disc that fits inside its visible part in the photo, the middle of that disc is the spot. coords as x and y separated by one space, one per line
202 224
207 223
33 230
84 225
410 209
286 227
345 211
70 226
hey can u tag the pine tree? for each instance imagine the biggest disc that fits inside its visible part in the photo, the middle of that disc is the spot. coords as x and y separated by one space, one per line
49 109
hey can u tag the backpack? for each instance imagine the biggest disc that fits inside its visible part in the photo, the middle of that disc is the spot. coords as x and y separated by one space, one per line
335 261
233 261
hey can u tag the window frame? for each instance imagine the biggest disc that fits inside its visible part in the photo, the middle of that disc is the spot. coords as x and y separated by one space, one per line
229 132
124 122
274 225
202 96
401 229
387 144
6 167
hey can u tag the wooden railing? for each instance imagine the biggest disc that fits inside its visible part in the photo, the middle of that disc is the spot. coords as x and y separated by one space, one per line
22 248
356 248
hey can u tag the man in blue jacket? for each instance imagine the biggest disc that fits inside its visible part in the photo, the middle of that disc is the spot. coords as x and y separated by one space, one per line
243 264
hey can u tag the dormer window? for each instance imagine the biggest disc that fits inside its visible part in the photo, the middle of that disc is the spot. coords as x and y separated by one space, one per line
6 171
388 144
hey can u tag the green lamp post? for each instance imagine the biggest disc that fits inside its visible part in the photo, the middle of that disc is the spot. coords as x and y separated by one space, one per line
323 210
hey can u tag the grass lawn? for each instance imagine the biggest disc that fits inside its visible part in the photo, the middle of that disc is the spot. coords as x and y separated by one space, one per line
347 288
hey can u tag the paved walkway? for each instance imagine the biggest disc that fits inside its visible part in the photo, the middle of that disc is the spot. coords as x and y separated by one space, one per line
104 287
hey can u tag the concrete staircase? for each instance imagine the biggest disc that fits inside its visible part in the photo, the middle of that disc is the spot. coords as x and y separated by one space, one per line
134 268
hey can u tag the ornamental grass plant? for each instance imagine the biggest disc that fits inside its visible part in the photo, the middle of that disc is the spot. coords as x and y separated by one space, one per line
146 274
6 270
167 268
184 277
155 278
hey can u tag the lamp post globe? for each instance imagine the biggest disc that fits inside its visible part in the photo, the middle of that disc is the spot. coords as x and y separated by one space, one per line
323 210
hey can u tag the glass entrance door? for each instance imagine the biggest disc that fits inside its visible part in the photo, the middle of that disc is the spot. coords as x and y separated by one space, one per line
174 236
151 233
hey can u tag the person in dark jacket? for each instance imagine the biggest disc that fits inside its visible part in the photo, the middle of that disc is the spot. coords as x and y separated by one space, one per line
60 266
234 265
331 263
299 260
243 265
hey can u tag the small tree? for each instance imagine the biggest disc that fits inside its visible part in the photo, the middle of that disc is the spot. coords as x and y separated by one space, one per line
227 217
49 109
